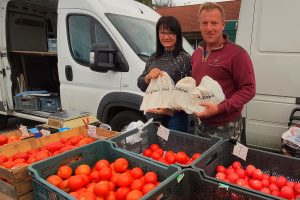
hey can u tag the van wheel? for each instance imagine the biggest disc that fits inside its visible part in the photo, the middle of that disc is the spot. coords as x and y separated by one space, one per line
3 122
120 121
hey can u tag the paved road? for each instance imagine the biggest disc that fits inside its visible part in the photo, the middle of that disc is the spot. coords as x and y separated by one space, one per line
13 122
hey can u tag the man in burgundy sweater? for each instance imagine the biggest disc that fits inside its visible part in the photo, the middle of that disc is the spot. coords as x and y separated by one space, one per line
229 65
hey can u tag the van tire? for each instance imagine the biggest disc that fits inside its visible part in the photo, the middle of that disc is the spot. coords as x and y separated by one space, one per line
3 122
120 121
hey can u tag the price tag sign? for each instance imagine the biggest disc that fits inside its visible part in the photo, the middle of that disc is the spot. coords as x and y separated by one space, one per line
163 132
240 151
24 131
92 131
45 132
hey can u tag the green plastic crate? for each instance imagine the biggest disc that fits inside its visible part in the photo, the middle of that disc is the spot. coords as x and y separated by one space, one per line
190 184
137 140
90 154
270 163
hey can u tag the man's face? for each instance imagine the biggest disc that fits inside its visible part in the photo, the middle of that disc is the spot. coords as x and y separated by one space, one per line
211 26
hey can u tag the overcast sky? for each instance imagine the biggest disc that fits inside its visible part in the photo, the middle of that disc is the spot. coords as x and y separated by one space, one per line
190 2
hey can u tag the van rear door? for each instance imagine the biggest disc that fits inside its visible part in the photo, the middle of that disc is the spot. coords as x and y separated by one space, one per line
275 52
3 106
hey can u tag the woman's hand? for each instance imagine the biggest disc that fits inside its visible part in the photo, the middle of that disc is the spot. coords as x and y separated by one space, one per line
162 111
153 74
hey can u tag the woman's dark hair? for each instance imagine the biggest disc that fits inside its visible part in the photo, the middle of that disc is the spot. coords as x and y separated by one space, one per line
171 23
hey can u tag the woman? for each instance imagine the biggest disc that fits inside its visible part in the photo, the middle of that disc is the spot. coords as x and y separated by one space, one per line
171 58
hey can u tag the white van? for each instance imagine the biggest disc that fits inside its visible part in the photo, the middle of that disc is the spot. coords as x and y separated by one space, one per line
269 30
120 35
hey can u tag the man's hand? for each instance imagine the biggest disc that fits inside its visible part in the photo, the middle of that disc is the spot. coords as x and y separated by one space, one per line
153 74
162 111
211 109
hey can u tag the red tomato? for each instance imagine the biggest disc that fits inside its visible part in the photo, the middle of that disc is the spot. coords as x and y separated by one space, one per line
181 157
291 184
257 174
265 182
102 163
232 177
148 187
169 153
266 190
134 195
221 168
95 176
102 188
272 179
105 173
287 192
281 181
156 155
275 192
297 188
87 195
273 187
249 169
153 146
64 171
137 172
120 165
240 182
54 180
150 177
124 180
229 170
221 176
83 170
195 156
147 153
170 159
255 184
160 151
137 184
122 192
236 165
241 172
76 182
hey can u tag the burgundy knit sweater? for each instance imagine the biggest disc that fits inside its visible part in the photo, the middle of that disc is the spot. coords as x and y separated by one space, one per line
231 66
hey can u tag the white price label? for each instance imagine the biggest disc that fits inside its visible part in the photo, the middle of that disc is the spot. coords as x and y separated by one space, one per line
240 151
163 132
24 131
45 132
92 131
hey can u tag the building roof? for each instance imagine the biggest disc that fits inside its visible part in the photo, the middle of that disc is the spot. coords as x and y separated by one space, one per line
188 15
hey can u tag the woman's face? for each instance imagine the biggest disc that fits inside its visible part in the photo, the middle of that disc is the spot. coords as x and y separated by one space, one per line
167 38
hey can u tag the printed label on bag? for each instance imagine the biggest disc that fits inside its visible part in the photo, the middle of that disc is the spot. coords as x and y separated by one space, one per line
240 151
163 132
24 131
92 131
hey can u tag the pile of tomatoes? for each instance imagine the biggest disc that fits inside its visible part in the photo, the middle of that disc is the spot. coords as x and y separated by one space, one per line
4 139
169 157
51 149
105 180
252 177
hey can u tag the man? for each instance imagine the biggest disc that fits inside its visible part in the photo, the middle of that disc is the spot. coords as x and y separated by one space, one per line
229 65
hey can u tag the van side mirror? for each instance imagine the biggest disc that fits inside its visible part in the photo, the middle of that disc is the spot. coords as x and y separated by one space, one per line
103 58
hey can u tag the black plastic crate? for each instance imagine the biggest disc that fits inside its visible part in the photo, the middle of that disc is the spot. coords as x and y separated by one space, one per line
30 103
90 154
50 104
177 141
269 163
192 185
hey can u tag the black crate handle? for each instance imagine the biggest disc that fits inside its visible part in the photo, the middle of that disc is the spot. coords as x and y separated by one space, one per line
293 117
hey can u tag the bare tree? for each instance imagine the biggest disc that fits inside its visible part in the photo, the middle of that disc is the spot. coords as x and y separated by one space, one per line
146 2
163 3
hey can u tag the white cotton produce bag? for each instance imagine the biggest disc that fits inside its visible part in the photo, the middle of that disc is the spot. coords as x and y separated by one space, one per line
167 89
208 90
183 98
153 96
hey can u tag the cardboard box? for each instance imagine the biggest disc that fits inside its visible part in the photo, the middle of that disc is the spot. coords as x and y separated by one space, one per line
16 176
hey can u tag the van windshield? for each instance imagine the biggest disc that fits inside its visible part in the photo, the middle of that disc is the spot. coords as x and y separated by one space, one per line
139 34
